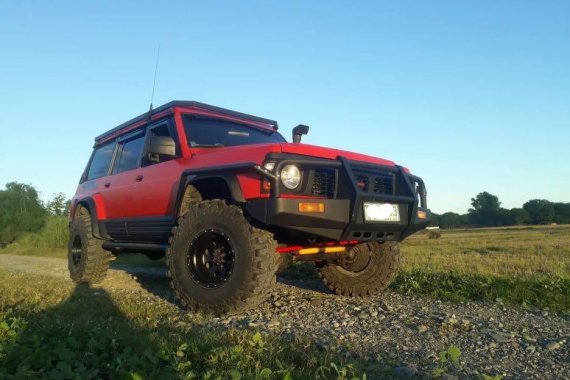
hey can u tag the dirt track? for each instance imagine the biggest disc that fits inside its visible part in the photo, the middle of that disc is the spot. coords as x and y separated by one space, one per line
407 331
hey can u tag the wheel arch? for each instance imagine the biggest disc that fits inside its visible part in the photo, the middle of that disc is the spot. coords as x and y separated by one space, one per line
91 205
219 185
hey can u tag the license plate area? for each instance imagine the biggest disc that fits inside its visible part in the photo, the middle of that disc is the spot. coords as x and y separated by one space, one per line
381 212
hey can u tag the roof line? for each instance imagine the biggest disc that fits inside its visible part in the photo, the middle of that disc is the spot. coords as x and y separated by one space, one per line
188 103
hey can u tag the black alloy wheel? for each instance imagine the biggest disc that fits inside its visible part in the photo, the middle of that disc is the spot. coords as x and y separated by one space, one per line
210 258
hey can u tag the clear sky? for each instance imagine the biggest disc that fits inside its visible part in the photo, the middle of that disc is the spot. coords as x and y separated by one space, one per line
472 96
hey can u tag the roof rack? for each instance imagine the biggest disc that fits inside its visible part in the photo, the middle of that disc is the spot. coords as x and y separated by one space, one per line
189 103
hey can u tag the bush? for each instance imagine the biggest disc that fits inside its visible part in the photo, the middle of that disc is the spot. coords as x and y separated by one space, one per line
53 235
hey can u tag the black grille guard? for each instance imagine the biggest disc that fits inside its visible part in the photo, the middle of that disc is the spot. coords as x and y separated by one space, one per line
410 189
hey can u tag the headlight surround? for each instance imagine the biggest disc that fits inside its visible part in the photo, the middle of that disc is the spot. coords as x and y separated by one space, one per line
290 176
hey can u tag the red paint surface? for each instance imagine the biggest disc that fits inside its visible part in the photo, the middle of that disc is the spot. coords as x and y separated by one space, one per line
155 194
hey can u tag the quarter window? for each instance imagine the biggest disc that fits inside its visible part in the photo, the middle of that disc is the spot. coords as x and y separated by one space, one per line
128 156
100 162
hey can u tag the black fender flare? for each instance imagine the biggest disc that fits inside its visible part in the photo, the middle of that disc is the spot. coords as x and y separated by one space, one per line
226 173
97 227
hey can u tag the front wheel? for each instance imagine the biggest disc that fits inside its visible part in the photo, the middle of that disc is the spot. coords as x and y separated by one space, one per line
365 269
218 262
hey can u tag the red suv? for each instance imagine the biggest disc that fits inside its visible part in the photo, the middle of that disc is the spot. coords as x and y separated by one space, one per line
229 201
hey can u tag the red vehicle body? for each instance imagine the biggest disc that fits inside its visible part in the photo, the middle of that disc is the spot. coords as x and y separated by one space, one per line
134 202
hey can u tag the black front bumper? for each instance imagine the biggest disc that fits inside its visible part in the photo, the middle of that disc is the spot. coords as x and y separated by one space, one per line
343 217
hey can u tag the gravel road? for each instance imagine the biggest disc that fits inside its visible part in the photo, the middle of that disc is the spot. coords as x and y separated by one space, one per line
406 331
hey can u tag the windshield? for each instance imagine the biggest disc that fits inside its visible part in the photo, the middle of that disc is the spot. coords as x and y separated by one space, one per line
208 132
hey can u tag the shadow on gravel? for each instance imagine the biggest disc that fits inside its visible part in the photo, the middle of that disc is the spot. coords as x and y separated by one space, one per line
307 284
151 276
86 336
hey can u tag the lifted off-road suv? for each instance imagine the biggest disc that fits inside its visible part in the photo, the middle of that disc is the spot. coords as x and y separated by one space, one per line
228 201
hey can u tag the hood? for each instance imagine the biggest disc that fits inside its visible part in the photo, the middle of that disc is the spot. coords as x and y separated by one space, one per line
331 154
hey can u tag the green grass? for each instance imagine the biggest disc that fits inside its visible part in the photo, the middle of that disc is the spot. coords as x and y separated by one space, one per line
82 332
527 266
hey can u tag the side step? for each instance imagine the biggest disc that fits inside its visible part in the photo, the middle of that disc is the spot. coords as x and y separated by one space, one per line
115 246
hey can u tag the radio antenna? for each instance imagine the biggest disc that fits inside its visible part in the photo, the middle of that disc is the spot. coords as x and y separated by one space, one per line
154 80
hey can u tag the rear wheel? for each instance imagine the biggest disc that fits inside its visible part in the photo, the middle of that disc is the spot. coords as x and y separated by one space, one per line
87 261
365 269
217 261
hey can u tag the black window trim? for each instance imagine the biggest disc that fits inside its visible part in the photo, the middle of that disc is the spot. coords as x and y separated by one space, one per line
85 174
121 141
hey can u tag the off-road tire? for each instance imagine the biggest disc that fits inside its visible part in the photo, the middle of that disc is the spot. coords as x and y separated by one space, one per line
375 277
86 260
255 262
284 261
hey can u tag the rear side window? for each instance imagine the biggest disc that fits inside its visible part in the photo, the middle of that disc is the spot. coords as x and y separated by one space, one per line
100 161
129 154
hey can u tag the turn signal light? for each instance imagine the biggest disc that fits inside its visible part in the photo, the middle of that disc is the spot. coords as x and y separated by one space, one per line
311 207
422 214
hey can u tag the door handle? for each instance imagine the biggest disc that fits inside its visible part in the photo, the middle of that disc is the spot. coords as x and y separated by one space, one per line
139 178
107 184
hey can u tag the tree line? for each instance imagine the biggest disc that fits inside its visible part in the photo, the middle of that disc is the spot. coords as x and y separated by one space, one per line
486 211
22 211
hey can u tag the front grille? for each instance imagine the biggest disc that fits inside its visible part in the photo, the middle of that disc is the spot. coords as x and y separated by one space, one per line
375 181
384 184
324 182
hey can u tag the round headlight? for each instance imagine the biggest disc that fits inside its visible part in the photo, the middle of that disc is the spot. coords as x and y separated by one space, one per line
290 176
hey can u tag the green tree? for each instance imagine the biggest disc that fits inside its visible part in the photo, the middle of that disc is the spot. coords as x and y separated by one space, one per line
519 216
486 210
20 211
540 211
58 205
562 213
452 219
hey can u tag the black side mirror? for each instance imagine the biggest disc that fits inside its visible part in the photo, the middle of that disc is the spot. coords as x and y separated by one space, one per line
163 145
299 131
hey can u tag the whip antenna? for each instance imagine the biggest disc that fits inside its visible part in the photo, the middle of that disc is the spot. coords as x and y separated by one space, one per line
154 80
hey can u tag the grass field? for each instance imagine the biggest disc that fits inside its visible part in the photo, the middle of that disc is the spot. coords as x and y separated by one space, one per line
526 266
82 332
91 333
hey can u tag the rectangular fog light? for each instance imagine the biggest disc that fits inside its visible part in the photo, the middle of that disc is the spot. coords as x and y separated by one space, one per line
311 207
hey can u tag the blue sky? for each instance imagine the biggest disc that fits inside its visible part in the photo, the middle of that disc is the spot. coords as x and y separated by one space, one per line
472 96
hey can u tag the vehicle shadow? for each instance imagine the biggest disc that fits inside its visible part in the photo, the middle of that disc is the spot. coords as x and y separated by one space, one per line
151 276
311 284
85 336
